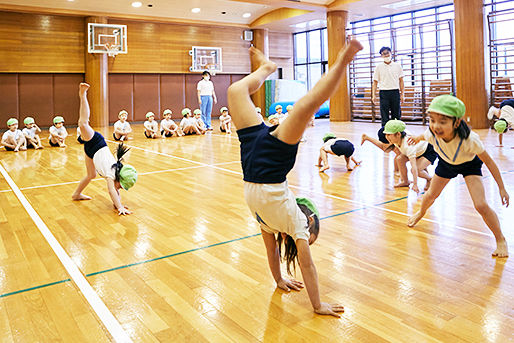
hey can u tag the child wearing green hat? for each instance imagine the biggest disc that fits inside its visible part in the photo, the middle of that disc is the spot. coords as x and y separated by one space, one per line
273 119
99 159
199 122
168 126
188 123
225 121
504 117
267 156
31 131
151 126
336 146
13 139
58 133
460 152
122 128
420 155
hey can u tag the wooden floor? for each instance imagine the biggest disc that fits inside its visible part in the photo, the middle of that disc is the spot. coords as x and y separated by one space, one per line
190 266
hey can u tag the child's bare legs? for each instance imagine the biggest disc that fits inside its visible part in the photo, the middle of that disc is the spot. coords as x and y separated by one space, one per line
61 143
86 131
436 187
323 156
357 163
291 130
229 128
500 139
401 162
38 142
241 106
348 166
422 164
477 193
91 174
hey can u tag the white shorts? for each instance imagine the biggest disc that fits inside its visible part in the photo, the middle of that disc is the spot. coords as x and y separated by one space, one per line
274 206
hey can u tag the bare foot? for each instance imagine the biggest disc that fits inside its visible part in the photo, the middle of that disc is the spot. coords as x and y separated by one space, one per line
501 249
348 52
414 219
364 138
349 168
402 184
23 148
427 186
322 169
80 197
259 60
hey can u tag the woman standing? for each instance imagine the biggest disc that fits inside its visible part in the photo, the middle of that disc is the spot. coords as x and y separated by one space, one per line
206 95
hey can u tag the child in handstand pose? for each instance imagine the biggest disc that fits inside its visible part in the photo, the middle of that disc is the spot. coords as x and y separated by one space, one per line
460 152
100 159
336 146
267 156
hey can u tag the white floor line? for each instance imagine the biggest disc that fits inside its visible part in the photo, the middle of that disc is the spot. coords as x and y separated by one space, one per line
324 194
109 321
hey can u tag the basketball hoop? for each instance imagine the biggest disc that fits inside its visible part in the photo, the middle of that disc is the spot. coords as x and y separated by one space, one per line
112 51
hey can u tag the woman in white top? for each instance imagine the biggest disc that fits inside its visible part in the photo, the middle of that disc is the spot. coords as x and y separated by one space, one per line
99 159
206 95
420 155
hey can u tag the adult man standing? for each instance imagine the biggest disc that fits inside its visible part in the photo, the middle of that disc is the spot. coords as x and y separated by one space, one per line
206 95
388 76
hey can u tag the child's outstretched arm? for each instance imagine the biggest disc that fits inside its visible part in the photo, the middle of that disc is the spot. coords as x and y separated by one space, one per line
412 140
310 277
115 197
493 168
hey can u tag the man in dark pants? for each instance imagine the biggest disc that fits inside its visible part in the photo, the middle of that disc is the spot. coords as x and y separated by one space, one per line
388 76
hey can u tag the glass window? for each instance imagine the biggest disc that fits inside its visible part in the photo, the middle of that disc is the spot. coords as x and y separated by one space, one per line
325 44
300 47
300 73
314 46
314 74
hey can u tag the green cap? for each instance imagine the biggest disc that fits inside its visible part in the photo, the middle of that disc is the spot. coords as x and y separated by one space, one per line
500 126
186 111
58 119
258 109
394 126
273 116
150 114
328 136
447 105
128 176
289 108
277 107
122 112
28 121
197 111
167 111
309 204
12 121
223 109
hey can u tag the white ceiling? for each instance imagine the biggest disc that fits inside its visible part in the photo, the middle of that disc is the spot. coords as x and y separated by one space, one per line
211 9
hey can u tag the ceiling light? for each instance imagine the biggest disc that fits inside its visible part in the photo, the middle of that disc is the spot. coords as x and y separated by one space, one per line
405 3
137 4
195 10
247 15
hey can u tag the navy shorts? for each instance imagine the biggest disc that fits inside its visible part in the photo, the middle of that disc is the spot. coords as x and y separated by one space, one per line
80 140
168 134
430 154
449 171
53 144
382 136
8 148
94 144
342 147
221 129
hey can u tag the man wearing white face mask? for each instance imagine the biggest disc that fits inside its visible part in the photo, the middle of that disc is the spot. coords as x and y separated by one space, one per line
388 76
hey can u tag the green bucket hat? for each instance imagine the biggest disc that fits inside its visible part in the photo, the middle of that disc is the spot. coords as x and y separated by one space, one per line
28 121
128 176
273 116
223 109
122 112
197 111
328 136
12 121
309 204
289 108
150 114
500 126
58 119
186 111
277 107
166 112
394 126
448 105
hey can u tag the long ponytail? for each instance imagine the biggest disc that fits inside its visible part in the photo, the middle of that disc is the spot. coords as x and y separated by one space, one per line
121 150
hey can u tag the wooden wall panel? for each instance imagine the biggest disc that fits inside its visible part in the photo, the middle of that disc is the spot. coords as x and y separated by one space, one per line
191 94
221 84
121 96
9 107
36 98
65 95
173 94
41 43
280 44
146 96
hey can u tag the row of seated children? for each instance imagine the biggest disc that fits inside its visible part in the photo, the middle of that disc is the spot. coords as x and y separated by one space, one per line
15 140
279 117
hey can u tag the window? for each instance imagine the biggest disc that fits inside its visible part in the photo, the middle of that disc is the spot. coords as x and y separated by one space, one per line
310 56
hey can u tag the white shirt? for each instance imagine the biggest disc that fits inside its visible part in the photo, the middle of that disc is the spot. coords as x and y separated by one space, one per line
58 132
151 125
13 134
123 127
388 75
507 113
205 87
29 132
451 152
327 146
412 151
225 118
167 124
200 122
103 161
187 122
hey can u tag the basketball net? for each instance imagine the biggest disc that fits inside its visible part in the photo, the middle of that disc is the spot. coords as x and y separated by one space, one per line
112 51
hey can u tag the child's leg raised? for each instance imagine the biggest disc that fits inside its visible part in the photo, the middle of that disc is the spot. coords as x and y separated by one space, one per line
291 130
477 193
436 187
86 131
241 106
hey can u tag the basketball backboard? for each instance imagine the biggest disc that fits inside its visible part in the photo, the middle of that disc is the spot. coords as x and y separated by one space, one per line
107 39
205 58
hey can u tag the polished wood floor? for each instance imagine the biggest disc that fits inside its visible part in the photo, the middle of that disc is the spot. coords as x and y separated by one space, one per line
189 264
